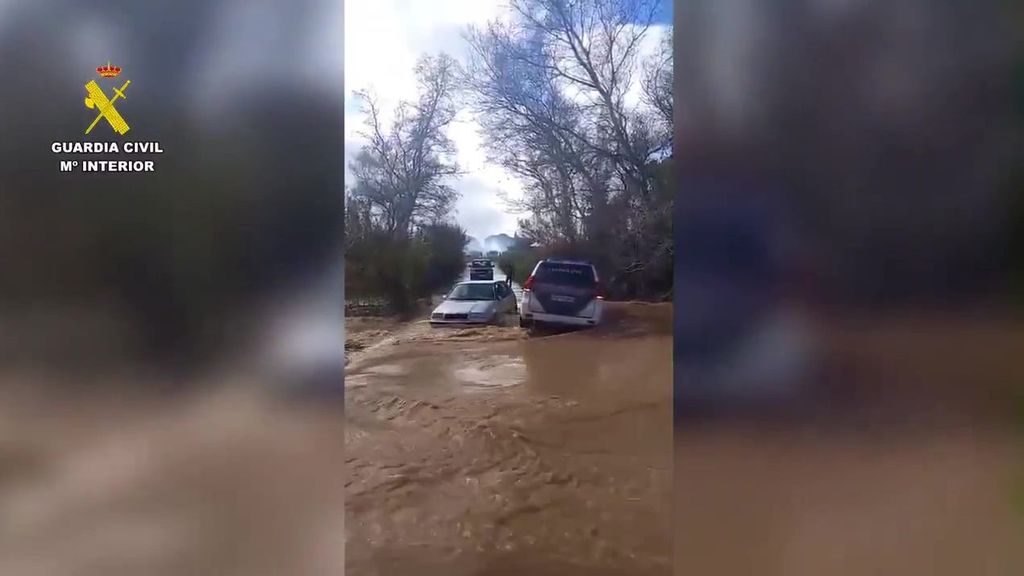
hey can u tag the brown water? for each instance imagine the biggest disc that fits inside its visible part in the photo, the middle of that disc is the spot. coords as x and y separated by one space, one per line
486 451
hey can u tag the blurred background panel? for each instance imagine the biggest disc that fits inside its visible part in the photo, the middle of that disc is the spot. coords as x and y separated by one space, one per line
145 317
245 99
848 385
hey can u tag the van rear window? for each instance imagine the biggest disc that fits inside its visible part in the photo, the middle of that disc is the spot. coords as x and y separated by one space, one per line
577 275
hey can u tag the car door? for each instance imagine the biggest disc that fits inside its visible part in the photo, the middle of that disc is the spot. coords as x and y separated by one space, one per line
510 297
499 290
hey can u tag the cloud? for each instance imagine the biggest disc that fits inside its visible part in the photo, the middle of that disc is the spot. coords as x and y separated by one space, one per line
480 209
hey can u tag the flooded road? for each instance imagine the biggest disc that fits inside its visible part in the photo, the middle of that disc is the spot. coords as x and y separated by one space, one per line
485 450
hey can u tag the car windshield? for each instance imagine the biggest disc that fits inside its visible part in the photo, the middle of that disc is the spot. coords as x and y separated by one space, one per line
481 264
472 292
576 275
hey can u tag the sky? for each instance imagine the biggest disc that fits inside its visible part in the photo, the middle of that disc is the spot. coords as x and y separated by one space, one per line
383 39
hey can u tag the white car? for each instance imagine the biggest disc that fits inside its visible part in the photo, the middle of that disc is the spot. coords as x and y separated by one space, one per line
475 302
563 292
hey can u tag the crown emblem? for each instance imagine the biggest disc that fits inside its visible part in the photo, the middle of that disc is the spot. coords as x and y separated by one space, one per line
108 71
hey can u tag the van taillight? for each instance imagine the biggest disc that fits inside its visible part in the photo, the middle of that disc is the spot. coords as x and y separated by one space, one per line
529 283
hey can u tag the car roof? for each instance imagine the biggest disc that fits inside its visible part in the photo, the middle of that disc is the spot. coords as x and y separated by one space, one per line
479 281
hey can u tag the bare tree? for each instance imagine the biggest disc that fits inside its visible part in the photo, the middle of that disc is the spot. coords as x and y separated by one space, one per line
555 89
591 49
657 83
403 173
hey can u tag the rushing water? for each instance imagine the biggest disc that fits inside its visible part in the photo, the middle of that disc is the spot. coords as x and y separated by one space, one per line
505 454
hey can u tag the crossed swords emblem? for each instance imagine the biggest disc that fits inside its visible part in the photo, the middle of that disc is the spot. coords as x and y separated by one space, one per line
98 100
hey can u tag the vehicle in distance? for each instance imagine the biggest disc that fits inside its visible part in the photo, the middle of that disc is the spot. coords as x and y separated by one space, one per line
565 292
475 302
481 269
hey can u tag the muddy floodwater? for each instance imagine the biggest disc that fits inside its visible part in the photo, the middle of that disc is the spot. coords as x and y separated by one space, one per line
492 451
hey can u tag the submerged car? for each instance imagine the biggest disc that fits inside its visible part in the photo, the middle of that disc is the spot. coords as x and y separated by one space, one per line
563 292
475 302
481 269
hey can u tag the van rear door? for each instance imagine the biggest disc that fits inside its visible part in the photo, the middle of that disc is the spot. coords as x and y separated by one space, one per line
564 289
